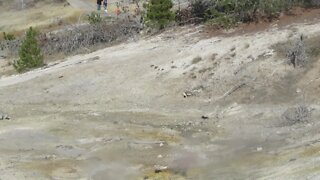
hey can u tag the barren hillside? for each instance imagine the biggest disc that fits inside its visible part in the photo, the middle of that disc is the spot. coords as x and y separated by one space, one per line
179 105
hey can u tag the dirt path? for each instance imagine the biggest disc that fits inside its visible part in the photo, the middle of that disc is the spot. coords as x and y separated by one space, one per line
119 113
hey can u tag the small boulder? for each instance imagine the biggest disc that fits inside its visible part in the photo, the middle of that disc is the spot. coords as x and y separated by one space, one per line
205 117
4 117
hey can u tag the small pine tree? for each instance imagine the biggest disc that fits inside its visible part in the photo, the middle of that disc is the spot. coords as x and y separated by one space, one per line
159 13
29 53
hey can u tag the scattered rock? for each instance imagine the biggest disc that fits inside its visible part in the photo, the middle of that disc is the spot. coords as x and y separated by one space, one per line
50 65
4 117
196 60
94 58
298 90
95 114
213 56
50 157
66 147
89 59
251 57
187 94
159 169
268 53
293 159
259 149
61 76
204 117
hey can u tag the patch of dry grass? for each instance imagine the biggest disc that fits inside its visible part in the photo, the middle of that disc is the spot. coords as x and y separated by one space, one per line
43 16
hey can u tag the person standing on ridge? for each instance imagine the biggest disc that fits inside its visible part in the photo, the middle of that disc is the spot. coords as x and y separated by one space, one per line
105 5
99 4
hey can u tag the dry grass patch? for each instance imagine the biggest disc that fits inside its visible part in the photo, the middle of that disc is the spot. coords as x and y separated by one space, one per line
42 16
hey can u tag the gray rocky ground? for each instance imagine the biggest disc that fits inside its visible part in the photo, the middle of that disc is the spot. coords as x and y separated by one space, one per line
120 112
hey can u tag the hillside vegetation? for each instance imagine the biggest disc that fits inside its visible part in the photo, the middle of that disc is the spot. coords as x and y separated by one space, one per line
227 13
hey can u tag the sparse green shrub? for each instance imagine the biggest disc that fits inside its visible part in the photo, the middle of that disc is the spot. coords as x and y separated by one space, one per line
223 21
30 55
94 18
8 36
159 13
199 9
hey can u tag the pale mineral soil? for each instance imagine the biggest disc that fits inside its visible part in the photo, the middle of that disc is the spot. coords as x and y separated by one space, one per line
119 113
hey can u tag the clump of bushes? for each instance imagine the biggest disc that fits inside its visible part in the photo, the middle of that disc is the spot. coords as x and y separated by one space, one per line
94 18
72 40
159 13
226 13
8 36
30 55
84 36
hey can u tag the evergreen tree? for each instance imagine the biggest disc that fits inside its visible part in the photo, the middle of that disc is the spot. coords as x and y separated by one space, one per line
29 53
159 13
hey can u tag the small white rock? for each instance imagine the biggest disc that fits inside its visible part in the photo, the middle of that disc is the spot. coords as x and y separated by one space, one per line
259 149
4 117
161 168
298 90
159 156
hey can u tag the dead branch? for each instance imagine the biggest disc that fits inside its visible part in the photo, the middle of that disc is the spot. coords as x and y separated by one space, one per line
233 89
